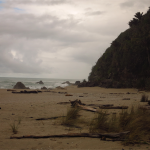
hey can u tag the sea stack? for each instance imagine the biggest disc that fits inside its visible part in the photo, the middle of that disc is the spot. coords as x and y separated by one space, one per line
19 85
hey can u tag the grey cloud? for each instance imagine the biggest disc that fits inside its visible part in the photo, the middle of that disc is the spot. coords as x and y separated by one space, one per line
37 2
94 13
135 4
46 26
127 4
27 63
29 36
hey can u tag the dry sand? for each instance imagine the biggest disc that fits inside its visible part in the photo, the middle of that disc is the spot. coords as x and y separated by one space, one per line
28 107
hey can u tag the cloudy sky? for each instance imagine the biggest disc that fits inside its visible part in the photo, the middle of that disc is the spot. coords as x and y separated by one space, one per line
60 38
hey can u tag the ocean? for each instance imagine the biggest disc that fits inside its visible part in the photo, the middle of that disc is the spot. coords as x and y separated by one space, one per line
9 82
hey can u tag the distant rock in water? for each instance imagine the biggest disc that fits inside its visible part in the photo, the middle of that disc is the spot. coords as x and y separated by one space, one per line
67 82
43 88
20 85
40 82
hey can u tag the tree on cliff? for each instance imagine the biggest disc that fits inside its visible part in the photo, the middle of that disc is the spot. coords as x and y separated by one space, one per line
126 63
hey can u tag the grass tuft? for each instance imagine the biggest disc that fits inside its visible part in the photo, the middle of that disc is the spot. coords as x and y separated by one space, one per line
144 98
71 117
137 121
14 127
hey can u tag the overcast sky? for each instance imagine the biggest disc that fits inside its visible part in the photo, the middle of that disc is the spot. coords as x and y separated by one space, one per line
60 38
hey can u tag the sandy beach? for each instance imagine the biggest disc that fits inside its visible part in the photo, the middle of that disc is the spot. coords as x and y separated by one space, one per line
26 108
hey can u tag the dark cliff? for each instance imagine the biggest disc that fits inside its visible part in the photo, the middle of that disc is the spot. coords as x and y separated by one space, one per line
126 63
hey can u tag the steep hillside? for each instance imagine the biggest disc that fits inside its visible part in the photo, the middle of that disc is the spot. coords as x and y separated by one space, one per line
126 63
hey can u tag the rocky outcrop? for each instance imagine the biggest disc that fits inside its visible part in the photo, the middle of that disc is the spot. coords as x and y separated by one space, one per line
77 82
40 82
20 85
126 63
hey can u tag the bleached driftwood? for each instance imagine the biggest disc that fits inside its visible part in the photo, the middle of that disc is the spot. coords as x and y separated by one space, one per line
78 103
91 135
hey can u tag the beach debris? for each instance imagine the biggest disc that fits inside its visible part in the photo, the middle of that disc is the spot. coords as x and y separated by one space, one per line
39 91
99 105
126 99
62 92
26 92
50 118
76 102
10 90
40 82
116 93
114 136
81 96
113 107
0 107
47 91
63 103
20 85
68 95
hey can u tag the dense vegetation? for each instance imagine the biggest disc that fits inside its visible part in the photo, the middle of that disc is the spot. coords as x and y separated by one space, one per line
126 63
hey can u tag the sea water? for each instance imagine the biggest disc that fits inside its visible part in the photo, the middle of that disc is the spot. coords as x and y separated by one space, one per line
9 82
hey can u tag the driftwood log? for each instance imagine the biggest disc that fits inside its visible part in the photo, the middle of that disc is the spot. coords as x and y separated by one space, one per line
118 136
78 103
97 105
63 103
68 95
26 92
50 118
113 107
10 90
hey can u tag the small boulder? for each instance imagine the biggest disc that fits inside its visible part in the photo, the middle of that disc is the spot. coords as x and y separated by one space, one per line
19 85
43 88
40 82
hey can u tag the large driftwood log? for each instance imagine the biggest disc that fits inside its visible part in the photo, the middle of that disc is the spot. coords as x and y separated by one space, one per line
78 103
26 92
99 135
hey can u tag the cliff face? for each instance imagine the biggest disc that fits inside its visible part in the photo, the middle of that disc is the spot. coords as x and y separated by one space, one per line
126 63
